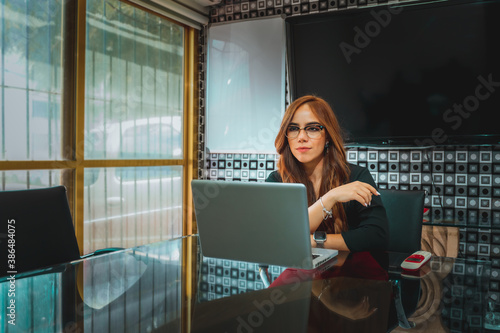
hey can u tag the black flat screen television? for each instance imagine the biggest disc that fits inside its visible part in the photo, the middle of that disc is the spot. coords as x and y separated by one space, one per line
418 74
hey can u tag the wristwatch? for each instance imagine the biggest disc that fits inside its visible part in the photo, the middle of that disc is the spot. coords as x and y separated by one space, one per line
320 238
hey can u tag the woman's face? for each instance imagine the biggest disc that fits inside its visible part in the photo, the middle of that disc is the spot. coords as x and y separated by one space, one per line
306 150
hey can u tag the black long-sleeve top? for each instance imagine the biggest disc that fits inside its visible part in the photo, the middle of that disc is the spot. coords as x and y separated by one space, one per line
367 226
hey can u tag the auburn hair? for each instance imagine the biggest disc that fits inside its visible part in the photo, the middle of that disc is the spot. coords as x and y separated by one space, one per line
335 167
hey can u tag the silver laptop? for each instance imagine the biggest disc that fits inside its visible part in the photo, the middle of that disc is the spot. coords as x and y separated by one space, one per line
264 223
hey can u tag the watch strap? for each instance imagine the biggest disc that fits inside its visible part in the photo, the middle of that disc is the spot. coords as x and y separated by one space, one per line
319 242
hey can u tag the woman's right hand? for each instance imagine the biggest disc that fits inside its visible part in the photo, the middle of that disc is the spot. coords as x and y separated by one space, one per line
359 191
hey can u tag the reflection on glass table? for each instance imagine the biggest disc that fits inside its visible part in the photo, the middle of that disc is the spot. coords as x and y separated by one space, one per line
169 287
132 290
355 293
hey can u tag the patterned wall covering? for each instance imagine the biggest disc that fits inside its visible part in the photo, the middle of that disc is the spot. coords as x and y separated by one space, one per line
462 183
232 10
221 278
456 302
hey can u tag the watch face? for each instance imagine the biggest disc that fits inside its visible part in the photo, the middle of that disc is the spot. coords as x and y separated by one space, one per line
320 236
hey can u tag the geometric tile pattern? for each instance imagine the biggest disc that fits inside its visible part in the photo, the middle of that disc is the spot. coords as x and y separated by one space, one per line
466 287
465 295
221 278
239 167
202 79
462 184
233 10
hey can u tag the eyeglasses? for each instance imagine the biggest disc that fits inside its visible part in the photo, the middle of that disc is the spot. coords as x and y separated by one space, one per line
312 131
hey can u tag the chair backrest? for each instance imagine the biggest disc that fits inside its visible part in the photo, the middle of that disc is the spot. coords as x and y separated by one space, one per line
38 226
405 212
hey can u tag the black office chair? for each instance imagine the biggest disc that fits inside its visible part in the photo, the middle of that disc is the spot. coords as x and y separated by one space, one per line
405 213
36 230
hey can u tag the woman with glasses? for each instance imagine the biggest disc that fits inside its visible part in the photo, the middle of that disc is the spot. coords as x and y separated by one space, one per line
345 210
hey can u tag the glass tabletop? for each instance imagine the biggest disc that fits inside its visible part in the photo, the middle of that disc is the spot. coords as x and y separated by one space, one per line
171 287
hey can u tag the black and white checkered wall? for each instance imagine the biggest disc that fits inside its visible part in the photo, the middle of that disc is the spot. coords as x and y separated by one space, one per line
462 183
222 278
233 10
463 188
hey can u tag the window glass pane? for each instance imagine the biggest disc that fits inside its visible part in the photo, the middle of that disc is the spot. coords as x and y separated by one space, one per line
131 206
134 84
11 180
31 44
